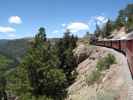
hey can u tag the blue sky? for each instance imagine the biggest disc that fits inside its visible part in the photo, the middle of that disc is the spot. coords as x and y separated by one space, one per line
22 18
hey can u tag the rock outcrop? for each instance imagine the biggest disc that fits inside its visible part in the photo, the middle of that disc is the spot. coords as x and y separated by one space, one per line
113 84
82 52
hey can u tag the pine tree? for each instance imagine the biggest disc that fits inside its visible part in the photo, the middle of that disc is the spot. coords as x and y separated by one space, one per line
129 16
38 73
125 18
121 19
108 29
97 31
65 53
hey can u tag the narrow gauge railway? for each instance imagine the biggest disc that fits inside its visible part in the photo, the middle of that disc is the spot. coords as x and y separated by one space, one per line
124 46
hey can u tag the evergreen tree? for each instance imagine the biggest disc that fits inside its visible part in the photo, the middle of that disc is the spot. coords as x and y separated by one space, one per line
97 31
121 19
38 73
129 16
105 31
108 29
125 18
65 53
4 70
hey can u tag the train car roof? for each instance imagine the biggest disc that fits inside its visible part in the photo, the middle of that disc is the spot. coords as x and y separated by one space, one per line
129 36
109 39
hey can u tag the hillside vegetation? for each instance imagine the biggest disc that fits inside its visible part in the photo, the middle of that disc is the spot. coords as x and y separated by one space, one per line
124 19
45 71
14 49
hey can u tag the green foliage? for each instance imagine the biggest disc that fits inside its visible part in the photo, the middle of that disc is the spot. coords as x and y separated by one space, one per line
97 31
110 59
14 49
28 96
120 21
105 31
65 48
4 64
125 17
4 67
108 28
4 61
46 70
40 37
102 64
38 74
44 98
95 76
105 62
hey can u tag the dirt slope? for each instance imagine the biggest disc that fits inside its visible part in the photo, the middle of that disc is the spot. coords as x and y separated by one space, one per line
114 85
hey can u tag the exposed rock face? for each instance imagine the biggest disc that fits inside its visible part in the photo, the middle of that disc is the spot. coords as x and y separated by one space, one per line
119 34
112 86
82 52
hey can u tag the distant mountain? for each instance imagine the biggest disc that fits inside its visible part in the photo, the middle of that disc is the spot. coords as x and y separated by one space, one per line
14 49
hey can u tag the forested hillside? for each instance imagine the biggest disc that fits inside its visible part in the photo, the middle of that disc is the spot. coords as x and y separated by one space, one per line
44 69
14 49
124 19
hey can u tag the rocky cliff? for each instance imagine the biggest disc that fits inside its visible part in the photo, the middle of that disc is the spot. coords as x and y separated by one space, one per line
112 85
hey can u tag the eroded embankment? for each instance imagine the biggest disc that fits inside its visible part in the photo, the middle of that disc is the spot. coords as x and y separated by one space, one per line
114 84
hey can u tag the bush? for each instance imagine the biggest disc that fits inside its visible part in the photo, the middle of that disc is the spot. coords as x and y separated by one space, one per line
44 98
28 96
110 59
102 64
95 76
105 62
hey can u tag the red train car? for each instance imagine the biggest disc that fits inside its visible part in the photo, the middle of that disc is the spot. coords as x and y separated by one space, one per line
116 44
123 46
129 53
108 43
100 43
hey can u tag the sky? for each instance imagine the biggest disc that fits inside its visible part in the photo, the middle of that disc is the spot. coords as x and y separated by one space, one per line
23 18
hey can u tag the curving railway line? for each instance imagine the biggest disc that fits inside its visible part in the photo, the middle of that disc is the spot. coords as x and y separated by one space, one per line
124 46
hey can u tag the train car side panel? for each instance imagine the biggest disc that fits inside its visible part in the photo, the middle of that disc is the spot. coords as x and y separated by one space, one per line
123 46
129 54
116 44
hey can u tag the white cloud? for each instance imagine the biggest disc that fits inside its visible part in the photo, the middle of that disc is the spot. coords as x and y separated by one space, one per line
7 29
101 19
55 31
77 26
15 20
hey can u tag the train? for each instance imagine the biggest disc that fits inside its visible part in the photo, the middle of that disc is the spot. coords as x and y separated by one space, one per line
124 46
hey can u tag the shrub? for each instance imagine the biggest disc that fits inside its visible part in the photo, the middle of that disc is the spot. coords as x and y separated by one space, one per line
102 64
28 96
95 76
105 62
110 59
44 98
